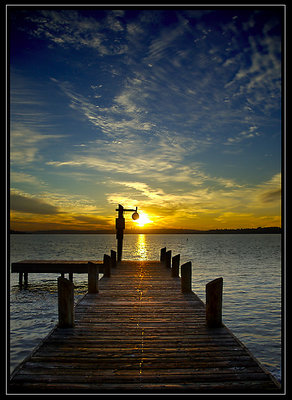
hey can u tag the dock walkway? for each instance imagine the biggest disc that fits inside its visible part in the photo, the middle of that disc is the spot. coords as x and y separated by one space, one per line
141 334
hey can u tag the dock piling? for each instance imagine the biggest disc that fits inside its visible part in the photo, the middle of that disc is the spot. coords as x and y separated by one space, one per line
186 277
113 258
162 254
25 276
65 303
23 279
214 291
168 259
175 266
20 279
107 265
92 277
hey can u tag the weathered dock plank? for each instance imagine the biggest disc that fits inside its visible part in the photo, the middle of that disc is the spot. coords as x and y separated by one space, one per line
141 334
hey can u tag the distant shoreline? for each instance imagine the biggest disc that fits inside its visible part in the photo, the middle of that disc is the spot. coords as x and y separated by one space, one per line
259 230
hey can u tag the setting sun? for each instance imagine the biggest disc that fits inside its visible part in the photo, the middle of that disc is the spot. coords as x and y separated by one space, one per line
143 219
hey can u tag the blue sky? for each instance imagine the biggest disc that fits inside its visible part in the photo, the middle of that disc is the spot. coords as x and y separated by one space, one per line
176 111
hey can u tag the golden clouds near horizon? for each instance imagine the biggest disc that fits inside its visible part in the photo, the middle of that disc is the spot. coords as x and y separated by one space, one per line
203 208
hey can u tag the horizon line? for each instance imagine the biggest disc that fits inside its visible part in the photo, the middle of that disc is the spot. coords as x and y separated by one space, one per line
271 229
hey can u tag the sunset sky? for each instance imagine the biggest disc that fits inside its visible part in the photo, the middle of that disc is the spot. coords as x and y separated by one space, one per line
176 111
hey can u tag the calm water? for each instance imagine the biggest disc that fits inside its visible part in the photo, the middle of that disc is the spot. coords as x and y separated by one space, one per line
249 264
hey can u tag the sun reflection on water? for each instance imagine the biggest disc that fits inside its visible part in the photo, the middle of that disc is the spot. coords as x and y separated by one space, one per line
140 247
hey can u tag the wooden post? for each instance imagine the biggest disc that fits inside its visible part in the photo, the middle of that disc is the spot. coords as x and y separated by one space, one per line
71 276
65 303
162 254
120 247
20 279
214 291
25 276
168 259
120 226
114 258
107 265
93 270
175 266
186 277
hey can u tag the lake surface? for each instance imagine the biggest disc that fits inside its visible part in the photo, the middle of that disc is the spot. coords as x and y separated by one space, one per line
250 265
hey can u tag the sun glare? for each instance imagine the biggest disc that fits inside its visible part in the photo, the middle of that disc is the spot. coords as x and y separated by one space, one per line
143 219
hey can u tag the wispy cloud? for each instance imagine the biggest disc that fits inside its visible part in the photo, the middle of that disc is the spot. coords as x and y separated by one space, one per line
31 126
159 160
209 104
251 132
68 28
31 205
122 118
22 177
269 193
258 79
26 144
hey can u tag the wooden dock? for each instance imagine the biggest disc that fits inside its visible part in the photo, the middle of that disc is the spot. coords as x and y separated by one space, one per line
141 334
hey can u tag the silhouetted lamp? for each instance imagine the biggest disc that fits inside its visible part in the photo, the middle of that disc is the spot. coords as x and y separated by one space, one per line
135 216
120 226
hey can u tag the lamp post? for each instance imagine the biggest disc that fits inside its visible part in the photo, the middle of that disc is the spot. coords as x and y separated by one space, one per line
120 226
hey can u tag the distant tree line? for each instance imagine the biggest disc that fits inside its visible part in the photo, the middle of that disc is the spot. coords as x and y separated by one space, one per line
272 229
